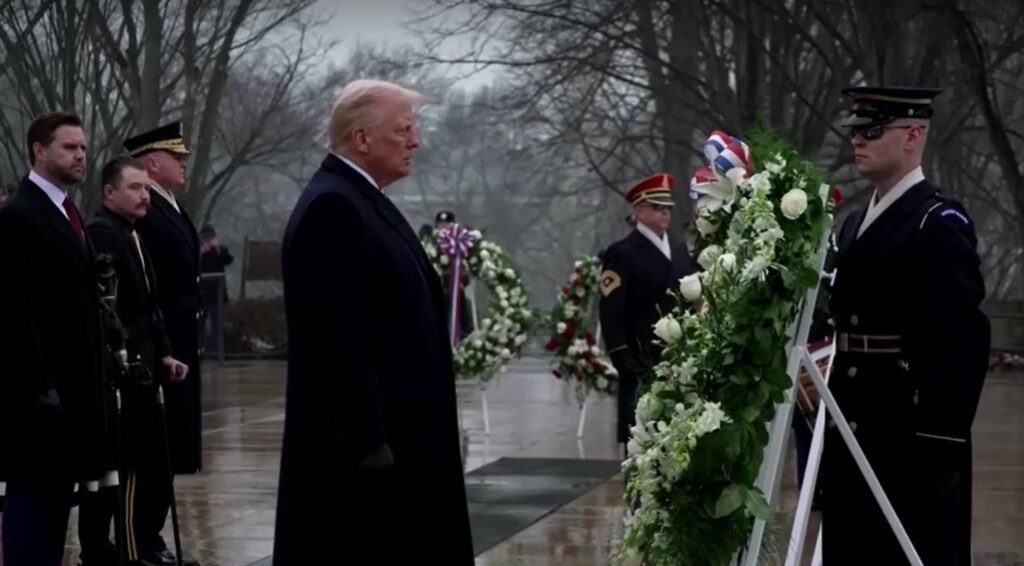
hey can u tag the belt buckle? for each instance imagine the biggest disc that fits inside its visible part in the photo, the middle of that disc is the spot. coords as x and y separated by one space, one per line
843 342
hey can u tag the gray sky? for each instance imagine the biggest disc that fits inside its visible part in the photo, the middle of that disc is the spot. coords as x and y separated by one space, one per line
381 22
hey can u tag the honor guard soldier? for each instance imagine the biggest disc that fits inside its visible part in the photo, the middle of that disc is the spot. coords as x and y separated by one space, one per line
912 347
637 274
148 364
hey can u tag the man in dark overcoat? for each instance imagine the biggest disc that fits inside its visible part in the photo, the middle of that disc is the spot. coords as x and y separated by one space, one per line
147 353
171 239
55 401
370 426
912 347
637 274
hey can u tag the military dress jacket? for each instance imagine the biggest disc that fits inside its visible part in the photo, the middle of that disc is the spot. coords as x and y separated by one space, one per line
911 356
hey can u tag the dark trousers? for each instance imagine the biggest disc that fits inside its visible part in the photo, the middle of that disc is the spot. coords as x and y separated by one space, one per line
146 502
35 523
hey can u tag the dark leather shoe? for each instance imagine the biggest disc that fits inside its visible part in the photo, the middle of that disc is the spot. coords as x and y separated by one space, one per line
166 558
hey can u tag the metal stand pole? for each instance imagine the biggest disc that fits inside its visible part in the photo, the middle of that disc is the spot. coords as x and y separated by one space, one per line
583 418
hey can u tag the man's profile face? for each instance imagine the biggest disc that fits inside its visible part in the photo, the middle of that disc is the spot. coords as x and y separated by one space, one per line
391 140
885 153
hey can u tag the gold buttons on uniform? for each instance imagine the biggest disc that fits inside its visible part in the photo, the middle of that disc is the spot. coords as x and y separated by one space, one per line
852 372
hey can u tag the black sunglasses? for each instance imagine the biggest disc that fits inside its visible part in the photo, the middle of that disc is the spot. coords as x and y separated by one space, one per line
875 131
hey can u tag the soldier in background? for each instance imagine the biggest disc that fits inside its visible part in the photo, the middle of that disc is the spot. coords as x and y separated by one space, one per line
637 274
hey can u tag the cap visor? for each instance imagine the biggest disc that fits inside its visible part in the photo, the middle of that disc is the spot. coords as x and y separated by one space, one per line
661 201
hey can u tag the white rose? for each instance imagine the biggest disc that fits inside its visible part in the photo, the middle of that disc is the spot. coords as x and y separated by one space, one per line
506 354
509 273
602 383
595 351
709 256
668 329
560 327
690 287
444 260
711 418
484 254
476 234
793 204
706 227
727 261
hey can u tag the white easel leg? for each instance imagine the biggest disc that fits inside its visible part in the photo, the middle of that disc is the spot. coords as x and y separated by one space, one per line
583 419
862 462
487 418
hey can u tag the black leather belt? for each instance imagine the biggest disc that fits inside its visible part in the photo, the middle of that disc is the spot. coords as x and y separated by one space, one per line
868 343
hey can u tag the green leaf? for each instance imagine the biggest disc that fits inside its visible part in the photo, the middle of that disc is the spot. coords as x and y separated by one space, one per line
757 505
730 500
671 395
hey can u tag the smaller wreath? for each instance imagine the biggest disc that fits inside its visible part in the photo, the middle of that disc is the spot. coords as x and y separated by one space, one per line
578 357
501 335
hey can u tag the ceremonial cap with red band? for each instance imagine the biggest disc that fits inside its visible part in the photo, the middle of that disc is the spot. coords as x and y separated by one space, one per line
656 189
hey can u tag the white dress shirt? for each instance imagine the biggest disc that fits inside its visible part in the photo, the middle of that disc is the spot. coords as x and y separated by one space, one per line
163 192
51 190
660 243
878 205
358 169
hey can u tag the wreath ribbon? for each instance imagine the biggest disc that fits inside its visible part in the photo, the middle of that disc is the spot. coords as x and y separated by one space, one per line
455 242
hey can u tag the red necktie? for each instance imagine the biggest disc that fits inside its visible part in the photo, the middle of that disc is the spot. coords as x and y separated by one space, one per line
74 218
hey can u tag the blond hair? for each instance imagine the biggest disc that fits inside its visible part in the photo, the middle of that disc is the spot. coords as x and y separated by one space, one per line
358 107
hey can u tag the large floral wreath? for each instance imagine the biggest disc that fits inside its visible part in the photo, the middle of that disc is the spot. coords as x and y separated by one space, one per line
578 357
501 335
697 446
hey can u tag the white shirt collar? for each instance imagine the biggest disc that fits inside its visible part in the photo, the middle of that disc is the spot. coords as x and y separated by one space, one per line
659 242
875 209
358 169
51 190
163 192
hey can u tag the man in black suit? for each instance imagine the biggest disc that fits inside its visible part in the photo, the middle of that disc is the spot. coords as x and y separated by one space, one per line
370 425
637 274
172 242
55 401
144 469
912 347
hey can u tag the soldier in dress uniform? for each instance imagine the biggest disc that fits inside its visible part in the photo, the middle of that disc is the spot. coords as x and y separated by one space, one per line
637 274
171 239
145 477
911 347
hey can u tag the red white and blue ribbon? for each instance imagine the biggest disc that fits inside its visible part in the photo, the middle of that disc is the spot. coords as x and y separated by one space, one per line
455 242
724 153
